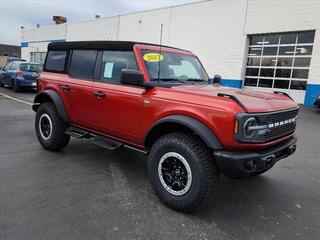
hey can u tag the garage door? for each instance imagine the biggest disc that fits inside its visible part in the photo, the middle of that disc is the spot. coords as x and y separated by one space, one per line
280 62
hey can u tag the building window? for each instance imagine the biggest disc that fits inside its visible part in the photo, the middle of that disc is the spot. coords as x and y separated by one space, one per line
38 57
279 61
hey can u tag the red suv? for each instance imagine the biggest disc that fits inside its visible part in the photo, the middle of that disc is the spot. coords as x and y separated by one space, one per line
159 100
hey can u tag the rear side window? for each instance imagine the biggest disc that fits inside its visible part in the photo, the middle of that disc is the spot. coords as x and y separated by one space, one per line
55 61
83 63
13 66
112 64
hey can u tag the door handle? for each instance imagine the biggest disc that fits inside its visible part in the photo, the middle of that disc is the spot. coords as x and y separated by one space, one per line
65 88
99 94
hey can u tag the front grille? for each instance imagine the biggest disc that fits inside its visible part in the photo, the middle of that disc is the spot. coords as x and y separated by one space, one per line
279 130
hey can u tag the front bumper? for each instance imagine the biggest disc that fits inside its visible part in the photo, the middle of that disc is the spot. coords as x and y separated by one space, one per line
246 163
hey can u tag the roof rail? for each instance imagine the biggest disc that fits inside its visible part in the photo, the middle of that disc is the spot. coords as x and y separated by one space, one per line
283 93
234 98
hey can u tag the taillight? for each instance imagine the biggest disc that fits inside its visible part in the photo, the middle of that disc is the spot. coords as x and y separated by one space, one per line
19 74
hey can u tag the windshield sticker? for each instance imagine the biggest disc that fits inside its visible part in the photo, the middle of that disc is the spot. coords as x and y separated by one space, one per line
153 57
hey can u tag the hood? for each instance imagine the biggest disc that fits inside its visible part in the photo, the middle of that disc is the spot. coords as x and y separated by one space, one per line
253 101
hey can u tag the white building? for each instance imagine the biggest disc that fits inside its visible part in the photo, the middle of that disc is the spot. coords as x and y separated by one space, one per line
266 45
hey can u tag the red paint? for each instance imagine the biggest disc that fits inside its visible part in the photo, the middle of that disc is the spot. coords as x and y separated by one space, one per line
122 114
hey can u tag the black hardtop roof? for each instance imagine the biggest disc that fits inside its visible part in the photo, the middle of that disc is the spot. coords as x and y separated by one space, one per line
103 45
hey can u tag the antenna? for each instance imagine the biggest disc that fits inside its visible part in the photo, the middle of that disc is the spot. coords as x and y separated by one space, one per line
160 54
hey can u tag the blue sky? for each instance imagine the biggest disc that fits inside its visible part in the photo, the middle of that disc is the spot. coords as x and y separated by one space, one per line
27 13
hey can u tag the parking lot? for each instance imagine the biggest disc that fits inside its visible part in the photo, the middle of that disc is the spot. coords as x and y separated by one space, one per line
87 192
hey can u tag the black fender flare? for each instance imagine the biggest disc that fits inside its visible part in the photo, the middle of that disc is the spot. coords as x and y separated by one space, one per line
51 96
202 130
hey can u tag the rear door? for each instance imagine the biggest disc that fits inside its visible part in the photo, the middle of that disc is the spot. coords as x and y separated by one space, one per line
118 109
71 74
77 88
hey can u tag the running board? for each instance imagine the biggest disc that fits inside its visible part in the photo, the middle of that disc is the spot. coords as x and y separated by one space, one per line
77 132
99 140
107 143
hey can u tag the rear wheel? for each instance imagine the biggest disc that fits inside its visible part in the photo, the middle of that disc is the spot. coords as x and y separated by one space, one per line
182 171
50 128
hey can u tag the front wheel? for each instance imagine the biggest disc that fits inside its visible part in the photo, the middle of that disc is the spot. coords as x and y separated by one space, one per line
182 171
50 128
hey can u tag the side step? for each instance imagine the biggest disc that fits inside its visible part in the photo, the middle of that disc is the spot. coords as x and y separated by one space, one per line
101 141
107 143
77 132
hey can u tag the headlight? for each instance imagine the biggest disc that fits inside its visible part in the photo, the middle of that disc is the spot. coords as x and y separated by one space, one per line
251 129
248 128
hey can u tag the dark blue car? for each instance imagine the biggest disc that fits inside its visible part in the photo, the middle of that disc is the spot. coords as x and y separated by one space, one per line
19 74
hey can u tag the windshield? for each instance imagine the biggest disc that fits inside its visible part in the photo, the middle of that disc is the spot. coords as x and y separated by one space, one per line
29 67
177 68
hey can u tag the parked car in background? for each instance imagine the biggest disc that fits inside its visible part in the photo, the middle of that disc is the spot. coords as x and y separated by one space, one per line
10 59
19 74
317 102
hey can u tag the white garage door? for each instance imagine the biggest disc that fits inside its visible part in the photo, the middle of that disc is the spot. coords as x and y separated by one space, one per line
280 62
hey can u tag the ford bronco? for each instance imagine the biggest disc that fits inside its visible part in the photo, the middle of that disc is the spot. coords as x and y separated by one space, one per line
159 100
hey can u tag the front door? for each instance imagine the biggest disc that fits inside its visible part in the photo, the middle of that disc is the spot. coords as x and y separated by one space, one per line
118 109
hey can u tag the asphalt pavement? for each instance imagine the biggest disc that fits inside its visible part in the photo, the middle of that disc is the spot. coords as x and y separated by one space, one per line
87 192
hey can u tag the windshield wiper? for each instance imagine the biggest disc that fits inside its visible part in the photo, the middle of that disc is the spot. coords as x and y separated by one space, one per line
168 80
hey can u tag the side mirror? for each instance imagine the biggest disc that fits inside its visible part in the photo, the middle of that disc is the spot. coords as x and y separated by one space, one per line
131 77
217 78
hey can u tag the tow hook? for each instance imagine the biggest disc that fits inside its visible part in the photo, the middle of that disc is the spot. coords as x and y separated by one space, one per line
292 149
269 160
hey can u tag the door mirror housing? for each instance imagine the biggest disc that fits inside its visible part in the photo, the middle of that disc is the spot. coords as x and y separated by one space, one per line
217 79
133 77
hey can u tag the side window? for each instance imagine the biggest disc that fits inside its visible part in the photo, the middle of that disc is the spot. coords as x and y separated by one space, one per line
112 64
55 61
7 67
83 63
13 66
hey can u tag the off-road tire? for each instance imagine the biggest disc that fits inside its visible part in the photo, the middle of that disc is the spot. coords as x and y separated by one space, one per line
58 139
205 176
